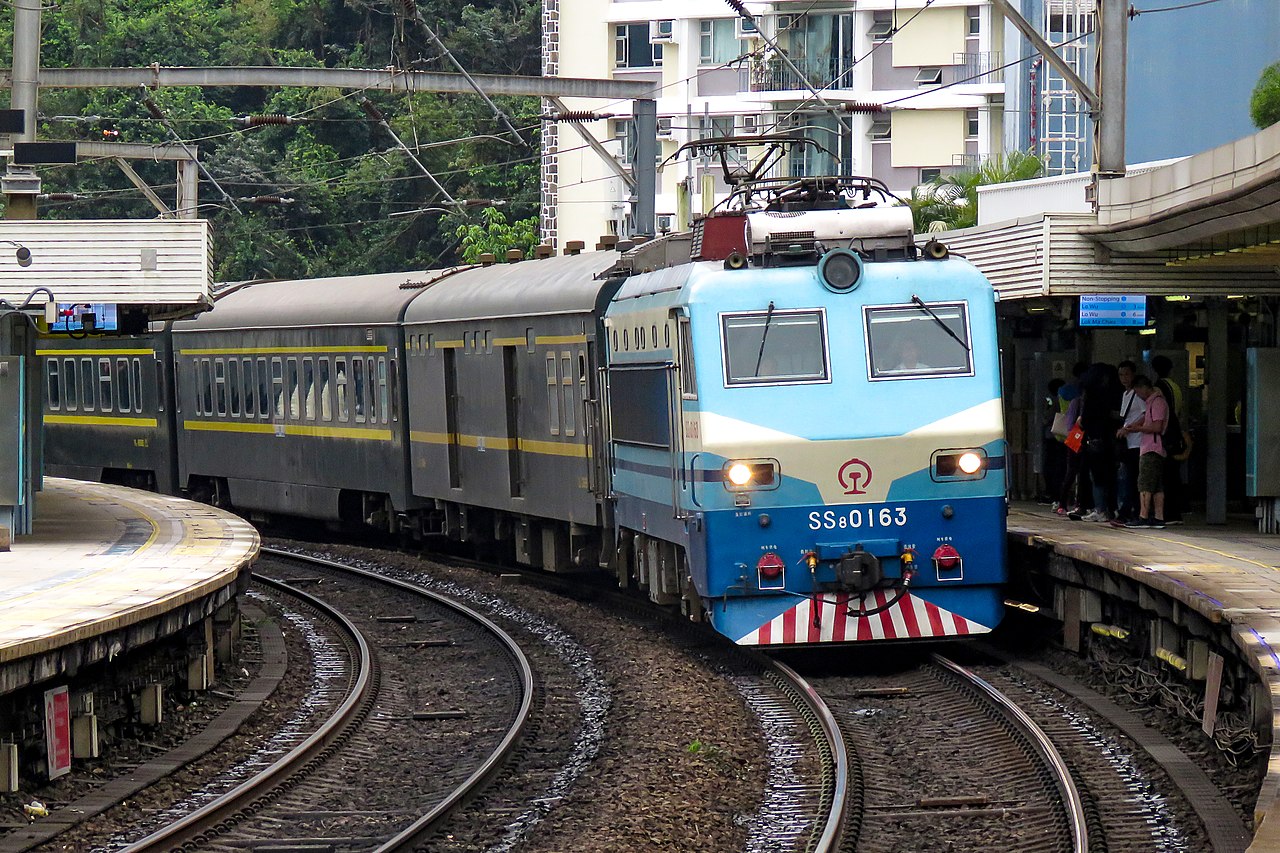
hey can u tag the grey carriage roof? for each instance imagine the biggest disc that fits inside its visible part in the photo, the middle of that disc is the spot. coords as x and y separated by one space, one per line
337 301
558 285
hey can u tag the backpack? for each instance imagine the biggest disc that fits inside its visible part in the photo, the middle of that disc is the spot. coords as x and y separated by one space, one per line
1173 440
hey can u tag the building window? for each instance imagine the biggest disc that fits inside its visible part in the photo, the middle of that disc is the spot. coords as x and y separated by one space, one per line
929 76
624 131
927 175
881 128
718 42
975 21
971 119
632 48
881 29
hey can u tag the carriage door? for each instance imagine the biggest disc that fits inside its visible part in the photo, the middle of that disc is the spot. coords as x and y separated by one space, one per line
589 384
451 415
511 393
684 387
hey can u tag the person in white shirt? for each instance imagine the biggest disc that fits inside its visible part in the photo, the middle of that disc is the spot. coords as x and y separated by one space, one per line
1132 409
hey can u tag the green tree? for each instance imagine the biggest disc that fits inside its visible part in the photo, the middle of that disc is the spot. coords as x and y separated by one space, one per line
495 235
1264 106
952 200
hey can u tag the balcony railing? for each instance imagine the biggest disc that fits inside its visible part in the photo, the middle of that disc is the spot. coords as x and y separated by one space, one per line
978 68
774 75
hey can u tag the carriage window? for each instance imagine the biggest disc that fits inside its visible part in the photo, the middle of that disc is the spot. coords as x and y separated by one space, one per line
160 389
357 391
529 340
553 396
326 394
104 382
382 386
264 393
250 395
340 381
204 389
220 385
775 346
70 395
233 385
372 376
124 387
688 371
277 386
309 388
394 381
51 382
907 342
137 385
566 379
292 389
87 384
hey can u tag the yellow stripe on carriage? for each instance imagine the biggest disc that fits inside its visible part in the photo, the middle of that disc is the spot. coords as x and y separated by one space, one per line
78 352
100 420
280 350
548 448
363 433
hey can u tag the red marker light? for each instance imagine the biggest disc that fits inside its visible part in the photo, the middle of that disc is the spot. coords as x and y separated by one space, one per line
946 557
770 566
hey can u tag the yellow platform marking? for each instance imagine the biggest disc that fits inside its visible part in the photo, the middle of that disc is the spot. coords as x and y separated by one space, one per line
1184 543
549 448
72 352
280 350
366 433
91 420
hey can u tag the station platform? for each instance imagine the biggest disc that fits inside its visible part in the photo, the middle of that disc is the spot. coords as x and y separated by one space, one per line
1230 574
108 568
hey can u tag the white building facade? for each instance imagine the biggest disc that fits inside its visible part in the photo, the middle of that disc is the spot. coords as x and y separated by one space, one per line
936 65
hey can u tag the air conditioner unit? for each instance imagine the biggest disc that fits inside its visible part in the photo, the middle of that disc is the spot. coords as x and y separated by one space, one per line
666 222
659 31
664 129
744 29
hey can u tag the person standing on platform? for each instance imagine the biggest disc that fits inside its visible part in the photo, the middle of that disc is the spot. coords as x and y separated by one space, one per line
1152 455
1128 446
1053 458
1172 393
1071 489
1099 418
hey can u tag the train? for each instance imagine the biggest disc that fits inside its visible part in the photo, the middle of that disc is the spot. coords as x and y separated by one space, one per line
786 422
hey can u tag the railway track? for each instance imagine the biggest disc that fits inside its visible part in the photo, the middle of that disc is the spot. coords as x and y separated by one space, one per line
982 757
344 785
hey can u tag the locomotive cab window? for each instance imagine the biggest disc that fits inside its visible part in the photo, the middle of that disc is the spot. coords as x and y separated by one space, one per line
771 347
918 341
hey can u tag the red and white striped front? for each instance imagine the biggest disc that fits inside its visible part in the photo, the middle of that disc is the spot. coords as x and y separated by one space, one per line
909 618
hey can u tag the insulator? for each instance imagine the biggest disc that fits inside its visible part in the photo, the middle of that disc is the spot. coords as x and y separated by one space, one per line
371 110
736 5
268 199
860 107
577 115
156 112
60 196
273 118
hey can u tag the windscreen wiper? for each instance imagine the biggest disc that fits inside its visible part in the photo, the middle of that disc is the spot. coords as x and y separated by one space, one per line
764 336
925 308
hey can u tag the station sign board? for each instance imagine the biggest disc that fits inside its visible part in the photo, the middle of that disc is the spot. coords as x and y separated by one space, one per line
1113 309
57 731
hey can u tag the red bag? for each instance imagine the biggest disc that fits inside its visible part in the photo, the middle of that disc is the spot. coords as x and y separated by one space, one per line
1075 438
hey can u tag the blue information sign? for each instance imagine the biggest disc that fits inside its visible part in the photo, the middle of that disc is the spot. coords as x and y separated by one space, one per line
1105 309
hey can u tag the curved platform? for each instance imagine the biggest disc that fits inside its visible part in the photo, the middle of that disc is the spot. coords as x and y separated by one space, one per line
108 568
1229 574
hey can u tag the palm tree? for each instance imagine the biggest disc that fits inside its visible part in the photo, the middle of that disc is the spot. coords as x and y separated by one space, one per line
952 200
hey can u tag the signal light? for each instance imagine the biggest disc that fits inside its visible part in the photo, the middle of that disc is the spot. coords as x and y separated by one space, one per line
770 566
946 557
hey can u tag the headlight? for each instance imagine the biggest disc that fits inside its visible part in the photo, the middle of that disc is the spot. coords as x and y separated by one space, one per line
959 464
740 474
970 463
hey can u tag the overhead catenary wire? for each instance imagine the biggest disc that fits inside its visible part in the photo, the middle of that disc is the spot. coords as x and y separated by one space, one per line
158 115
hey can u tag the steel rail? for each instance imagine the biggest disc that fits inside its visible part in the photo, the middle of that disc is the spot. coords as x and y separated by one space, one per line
252 789
189 827
1072 803
834 758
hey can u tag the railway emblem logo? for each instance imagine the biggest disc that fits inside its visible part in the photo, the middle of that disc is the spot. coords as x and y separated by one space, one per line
854 477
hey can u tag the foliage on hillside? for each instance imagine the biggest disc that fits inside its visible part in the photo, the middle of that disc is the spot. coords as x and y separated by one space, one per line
344 175
1264 106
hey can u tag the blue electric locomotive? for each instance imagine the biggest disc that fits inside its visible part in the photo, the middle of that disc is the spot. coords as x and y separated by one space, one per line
807 437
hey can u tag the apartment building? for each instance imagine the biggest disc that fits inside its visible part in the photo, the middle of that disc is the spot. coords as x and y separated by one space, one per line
935 64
